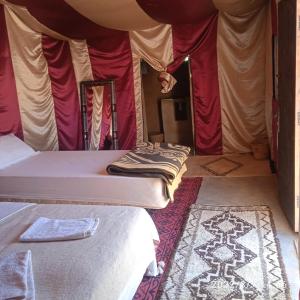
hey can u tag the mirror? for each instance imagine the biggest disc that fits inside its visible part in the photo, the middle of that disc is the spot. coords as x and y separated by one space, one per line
84 86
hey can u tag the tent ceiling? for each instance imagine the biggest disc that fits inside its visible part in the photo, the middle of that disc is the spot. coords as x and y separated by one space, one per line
117 14
238 7
81 19
179 11
60 17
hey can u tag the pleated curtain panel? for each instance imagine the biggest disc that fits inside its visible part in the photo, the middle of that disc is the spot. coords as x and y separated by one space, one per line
42 60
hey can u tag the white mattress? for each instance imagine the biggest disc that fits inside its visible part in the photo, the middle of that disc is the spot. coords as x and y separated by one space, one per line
109 265
78 177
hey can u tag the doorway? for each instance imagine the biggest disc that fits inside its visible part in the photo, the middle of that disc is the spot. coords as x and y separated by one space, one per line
167 117
288 84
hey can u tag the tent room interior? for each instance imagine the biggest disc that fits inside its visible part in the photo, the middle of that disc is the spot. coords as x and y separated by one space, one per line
149 149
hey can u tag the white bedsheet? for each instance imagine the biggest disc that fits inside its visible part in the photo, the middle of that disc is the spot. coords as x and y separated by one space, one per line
7 209
108 265
78 177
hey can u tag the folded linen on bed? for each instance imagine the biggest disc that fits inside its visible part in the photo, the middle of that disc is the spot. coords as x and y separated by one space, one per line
44 229
162 160
16 276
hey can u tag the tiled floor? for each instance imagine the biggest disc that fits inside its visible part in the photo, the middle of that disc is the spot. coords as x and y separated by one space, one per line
242 180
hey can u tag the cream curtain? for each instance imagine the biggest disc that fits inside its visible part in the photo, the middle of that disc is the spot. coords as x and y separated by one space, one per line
241 45
32 83
83 71
138 98
155 46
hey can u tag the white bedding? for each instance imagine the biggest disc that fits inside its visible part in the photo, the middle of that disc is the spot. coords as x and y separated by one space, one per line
7 209
108 265
79 177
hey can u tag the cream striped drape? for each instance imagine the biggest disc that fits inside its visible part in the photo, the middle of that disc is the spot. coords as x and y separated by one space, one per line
241 48
33 84
155 46
244 51
83 71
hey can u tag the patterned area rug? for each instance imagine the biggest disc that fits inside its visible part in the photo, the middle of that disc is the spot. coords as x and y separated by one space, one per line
227 253
169 222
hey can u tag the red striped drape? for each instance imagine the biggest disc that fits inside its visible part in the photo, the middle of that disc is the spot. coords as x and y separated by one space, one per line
10 120
199 41
116 63
64 92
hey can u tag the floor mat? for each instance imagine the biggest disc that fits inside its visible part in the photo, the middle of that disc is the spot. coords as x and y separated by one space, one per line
256 191
228 252
169 222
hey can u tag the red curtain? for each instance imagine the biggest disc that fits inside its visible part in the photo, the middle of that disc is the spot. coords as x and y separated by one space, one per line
64 92
177 11
116 63
200 42
10 120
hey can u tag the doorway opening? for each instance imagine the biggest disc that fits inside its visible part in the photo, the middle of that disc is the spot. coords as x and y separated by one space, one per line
167 117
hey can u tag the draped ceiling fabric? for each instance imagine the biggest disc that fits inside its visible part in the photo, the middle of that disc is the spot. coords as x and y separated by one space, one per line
123 15
45 56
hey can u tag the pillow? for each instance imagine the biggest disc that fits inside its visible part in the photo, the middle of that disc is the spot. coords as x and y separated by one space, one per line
13 150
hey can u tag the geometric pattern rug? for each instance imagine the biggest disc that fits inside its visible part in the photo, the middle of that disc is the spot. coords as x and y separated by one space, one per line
227 253
170 223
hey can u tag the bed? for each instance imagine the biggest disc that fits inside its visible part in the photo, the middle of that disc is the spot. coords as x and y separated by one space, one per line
79 177
108 265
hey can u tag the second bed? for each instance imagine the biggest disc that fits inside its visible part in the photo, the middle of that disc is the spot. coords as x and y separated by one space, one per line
80 177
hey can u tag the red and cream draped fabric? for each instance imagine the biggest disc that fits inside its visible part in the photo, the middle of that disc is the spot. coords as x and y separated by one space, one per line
33 83
155 46
83 71
45 55
199 41
10 120
45 71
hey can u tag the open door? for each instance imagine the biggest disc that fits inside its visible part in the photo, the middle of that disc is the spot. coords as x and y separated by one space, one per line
288 96
169 116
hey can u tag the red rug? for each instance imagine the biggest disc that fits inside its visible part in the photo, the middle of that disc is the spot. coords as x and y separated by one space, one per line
169 222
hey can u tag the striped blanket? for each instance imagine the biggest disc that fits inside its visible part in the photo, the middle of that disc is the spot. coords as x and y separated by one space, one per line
162 160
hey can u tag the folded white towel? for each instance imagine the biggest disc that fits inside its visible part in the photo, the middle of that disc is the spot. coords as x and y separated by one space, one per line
44 229
16 276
